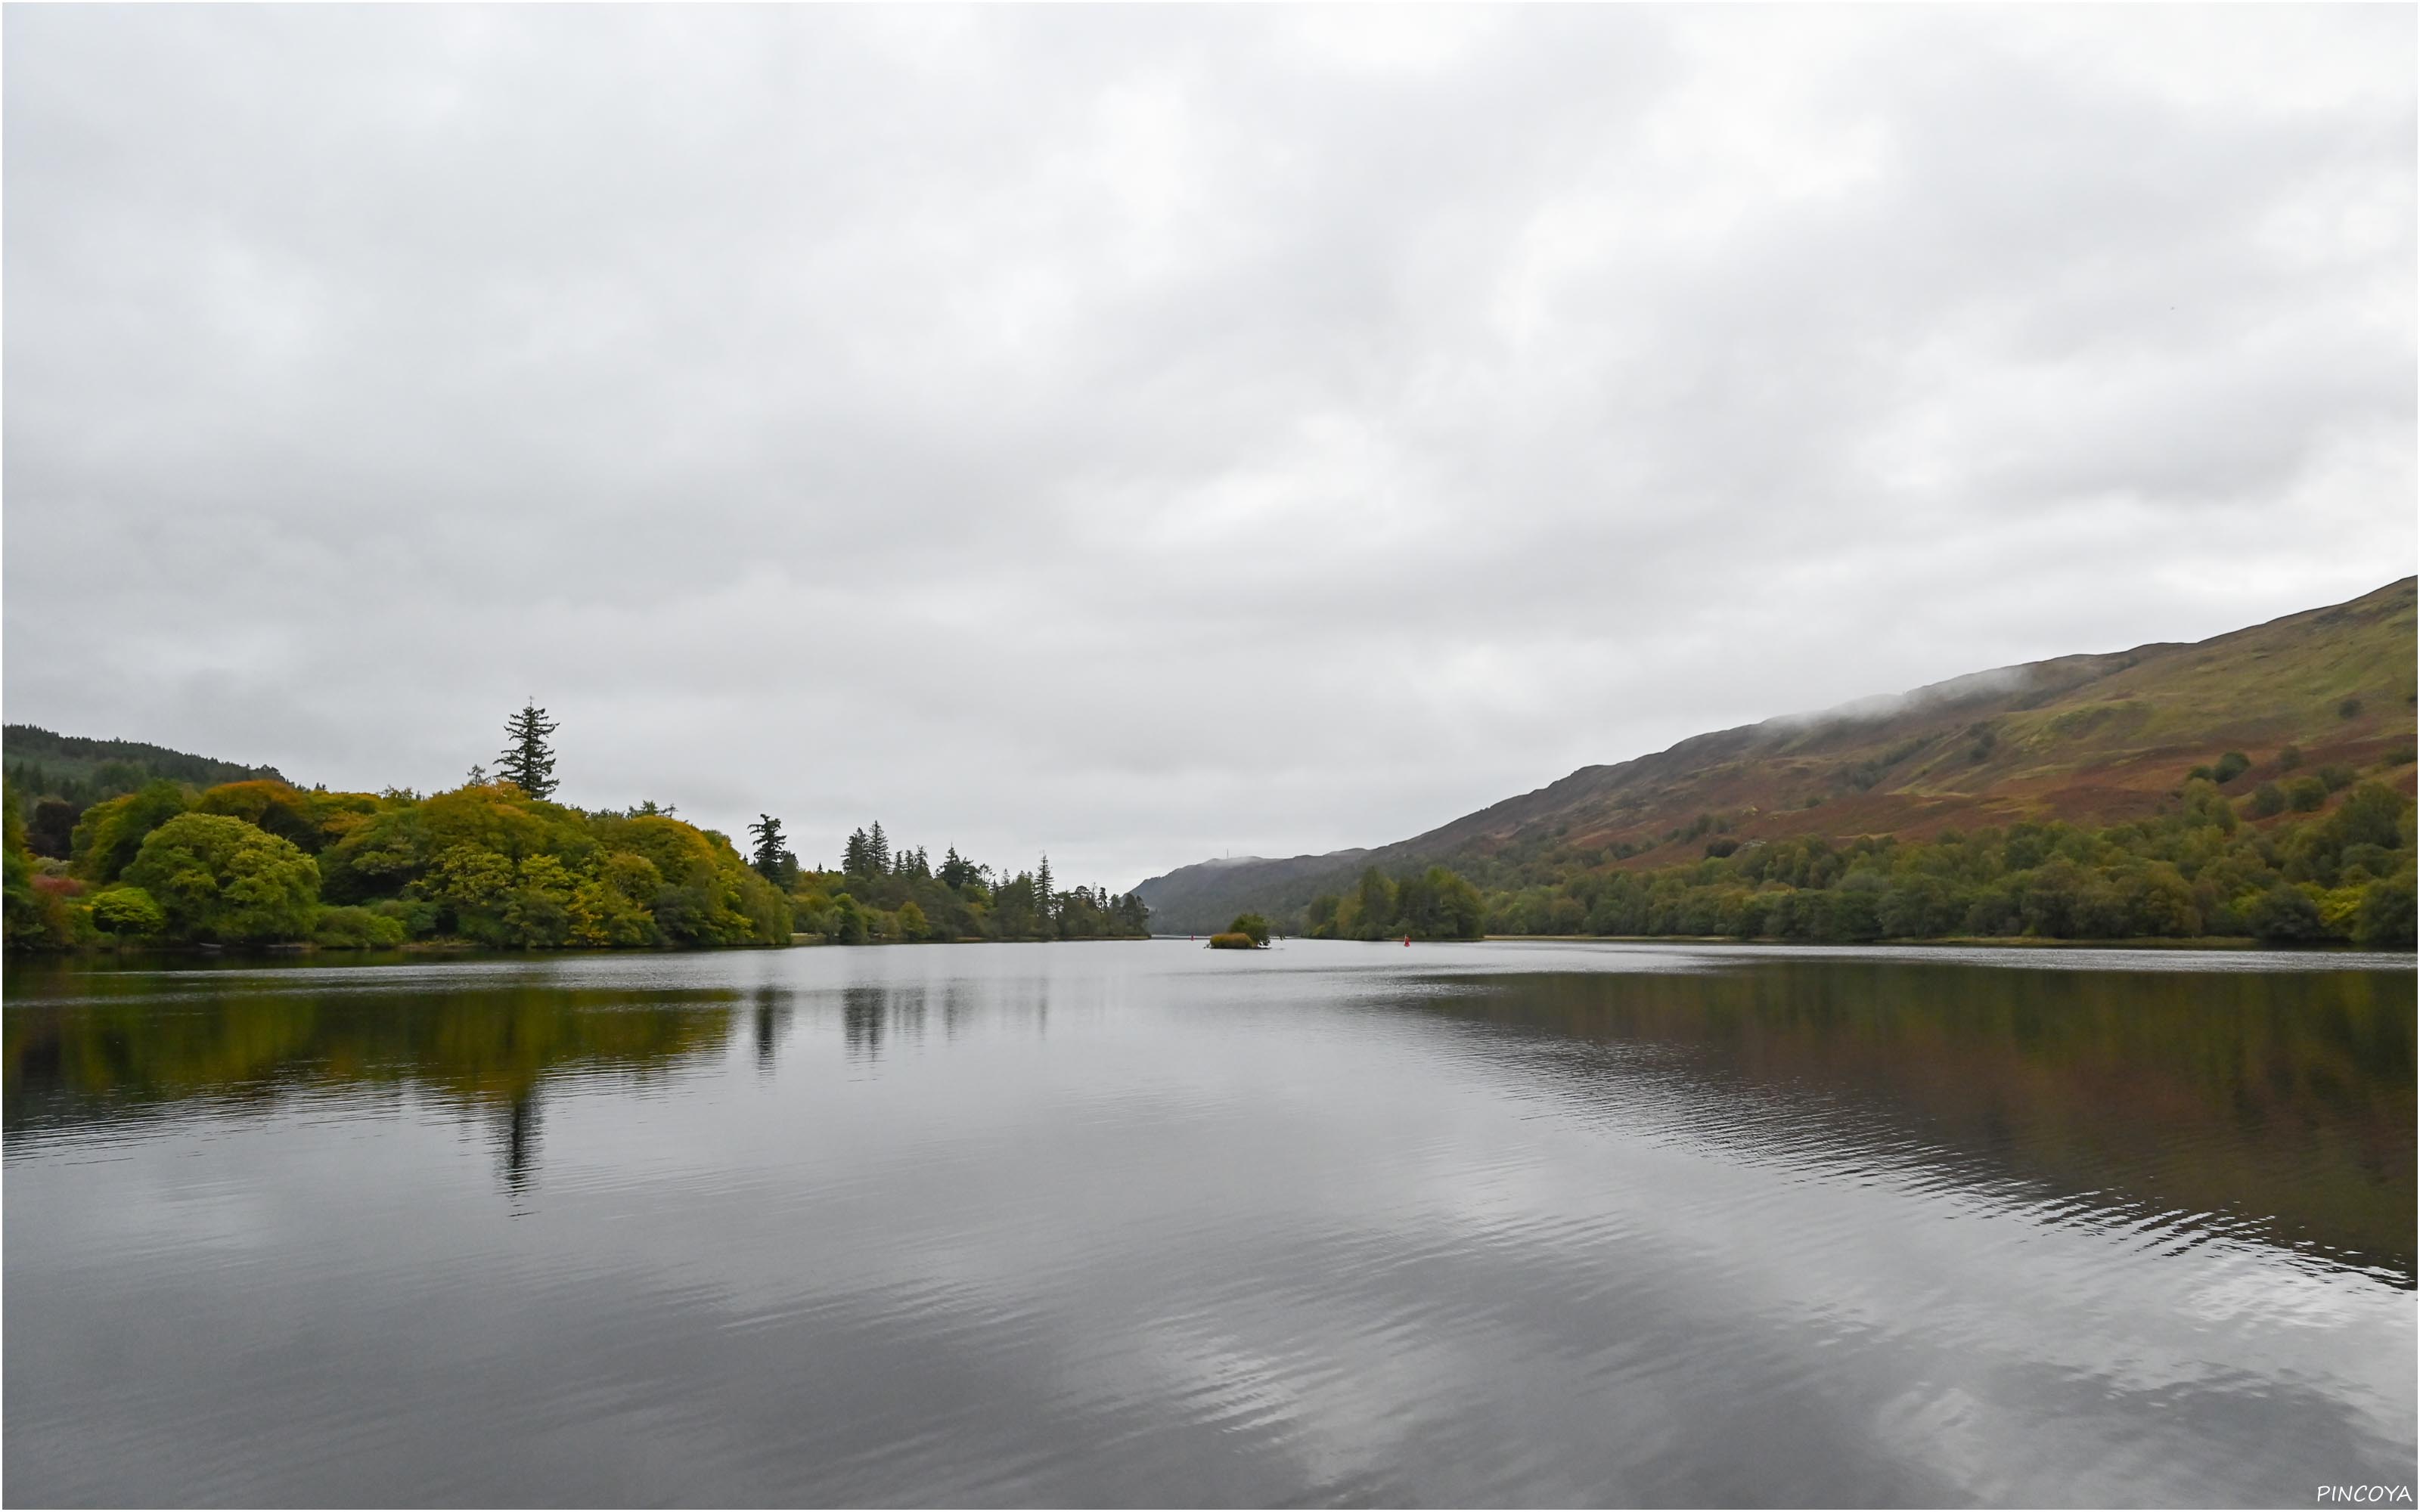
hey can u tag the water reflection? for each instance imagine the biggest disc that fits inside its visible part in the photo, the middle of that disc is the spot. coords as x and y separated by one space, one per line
865 1013
1147 1226
2280 1105
900 1014
519 1142
771 1016
107 1048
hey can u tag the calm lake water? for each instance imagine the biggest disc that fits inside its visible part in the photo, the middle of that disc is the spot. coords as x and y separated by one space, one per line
1138 1223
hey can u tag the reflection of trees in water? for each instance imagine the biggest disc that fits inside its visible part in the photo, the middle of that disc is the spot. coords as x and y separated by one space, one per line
769 1020
520 1141
958 1007
863 1015
131 1046
2285 1099
873 1014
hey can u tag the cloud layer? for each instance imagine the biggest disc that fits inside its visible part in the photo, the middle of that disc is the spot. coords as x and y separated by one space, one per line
1145 433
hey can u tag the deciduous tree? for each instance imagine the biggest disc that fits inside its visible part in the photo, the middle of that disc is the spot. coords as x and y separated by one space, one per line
219 878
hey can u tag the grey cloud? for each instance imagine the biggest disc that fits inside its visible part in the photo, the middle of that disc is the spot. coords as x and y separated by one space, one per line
1142 433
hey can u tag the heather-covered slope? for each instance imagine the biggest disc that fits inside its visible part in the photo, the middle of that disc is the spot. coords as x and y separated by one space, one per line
2091 739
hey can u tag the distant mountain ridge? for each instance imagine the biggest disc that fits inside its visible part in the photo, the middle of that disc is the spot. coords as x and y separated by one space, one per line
2096 738
1205 896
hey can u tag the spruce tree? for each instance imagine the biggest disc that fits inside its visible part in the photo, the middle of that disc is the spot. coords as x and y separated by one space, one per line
1042 888
773 860
528 761
877 850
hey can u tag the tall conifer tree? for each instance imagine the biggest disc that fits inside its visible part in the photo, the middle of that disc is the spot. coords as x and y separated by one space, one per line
528 761
773 859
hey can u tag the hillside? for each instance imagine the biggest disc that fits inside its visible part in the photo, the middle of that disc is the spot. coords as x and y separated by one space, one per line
1203 898
2091 739
40 761
57 776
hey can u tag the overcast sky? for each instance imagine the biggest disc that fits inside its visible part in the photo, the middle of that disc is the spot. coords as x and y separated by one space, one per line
1144 434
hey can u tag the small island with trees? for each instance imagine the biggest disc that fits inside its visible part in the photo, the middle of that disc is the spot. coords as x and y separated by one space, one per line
1249 931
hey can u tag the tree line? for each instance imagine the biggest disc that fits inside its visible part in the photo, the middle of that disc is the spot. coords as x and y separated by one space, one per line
493 862
64 775
2312 859
2318 859
887 892
1434 904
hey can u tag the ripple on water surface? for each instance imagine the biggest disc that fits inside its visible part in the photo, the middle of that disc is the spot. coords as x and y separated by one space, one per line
1136 1223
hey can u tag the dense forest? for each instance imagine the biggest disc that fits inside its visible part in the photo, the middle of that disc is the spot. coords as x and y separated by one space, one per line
885 894
119 844
2319 857
1434 904
64 775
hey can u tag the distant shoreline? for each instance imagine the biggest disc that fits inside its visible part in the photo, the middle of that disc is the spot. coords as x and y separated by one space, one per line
2035 942
289 948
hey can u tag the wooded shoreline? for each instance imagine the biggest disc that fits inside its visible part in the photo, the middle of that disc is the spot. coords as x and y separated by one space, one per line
122 848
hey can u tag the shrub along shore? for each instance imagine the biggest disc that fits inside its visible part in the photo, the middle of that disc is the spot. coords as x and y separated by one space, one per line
263 863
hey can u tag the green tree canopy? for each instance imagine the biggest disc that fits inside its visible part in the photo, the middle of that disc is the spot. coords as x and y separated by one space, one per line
127 912
111 833
216 877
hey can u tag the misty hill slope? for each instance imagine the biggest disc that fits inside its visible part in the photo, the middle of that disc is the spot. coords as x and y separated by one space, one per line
1201 899
2091 739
